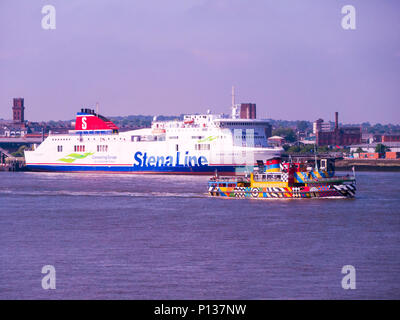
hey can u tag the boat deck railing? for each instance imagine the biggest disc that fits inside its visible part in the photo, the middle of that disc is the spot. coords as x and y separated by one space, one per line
331 179
230 179
258 178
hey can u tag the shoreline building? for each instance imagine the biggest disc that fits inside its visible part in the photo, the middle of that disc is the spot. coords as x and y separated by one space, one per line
320 125
386 138
344 136
18 126
18 111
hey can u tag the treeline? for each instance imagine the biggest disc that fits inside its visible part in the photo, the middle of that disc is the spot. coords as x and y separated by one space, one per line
285 128
307 126
311 148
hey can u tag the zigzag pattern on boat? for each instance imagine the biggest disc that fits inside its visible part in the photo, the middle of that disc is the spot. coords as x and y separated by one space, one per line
264 183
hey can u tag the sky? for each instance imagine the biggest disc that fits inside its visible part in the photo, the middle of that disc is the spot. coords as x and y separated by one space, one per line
167 57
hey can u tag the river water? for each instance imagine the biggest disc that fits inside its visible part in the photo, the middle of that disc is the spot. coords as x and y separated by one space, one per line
161 237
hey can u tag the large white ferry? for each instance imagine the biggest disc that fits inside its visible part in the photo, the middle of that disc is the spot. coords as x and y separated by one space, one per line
198 144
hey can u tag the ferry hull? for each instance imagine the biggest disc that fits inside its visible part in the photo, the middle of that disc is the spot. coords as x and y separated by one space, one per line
329 192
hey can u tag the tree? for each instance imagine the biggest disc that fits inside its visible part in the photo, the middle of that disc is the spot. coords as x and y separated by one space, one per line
381 148
323 149
287 133
302 126
294 149
20 151
286 147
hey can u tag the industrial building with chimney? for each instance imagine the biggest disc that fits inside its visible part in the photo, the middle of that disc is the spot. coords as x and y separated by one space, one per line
344 136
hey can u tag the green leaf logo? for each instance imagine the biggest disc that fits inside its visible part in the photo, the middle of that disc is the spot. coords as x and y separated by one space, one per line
208 139
75 156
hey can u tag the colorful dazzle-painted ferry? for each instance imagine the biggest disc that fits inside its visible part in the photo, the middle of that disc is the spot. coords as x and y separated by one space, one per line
286 180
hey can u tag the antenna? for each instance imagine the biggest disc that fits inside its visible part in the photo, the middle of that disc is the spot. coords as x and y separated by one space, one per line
233 96
97 107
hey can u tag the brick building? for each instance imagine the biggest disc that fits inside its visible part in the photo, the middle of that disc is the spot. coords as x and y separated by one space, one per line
18 110
344 136
387 138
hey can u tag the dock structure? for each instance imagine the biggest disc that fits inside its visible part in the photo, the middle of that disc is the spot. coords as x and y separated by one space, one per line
4 153
10 163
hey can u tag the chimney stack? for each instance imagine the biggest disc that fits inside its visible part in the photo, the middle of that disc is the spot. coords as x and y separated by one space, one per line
336 120
248 111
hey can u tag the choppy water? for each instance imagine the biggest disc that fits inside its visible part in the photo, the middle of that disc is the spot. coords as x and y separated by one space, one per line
161 237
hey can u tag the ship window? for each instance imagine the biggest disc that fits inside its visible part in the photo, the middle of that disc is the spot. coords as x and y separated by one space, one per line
202 146
102 148
177 147
59 148
79 148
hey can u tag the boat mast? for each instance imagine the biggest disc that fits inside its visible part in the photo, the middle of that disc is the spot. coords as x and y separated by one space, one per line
315 157
234 107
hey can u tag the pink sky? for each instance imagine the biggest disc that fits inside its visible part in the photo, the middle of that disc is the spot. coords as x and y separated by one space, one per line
291 58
